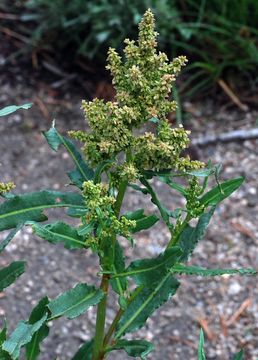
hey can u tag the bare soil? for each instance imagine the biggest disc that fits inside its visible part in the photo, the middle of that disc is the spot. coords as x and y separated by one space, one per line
226 307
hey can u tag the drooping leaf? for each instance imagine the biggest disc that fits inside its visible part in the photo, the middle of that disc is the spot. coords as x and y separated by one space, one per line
239 355
134 348
190 236
33 347
119 285
145 303
60 232
30 206
82 172
201 353
150 271
9 237
164 212
10 273
173 185
199 271
221 192
75 301
84 352
12 108
21 336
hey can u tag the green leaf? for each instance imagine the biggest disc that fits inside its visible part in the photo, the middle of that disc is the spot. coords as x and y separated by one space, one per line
119 285
173 185
143 222
134 215
84 352
82 172
33 347
21 336
12 108
199 271
239 355
133 348
145 303
10 273
190 236
9 237
221 192
3 335
30 206
165 213
150 271
75 301
59 232
201 353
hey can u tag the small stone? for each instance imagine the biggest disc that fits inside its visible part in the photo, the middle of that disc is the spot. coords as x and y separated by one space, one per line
234 288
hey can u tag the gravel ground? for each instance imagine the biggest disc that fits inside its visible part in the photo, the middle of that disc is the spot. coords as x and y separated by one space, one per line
231 240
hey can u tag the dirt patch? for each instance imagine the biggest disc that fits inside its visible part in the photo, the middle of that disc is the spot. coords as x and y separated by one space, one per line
231 240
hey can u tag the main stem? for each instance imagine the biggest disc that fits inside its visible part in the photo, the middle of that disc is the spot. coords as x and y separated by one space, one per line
98 346
100 321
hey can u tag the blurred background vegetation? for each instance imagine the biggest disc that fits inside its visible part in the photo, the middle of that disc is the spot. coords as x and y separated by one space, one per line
219 37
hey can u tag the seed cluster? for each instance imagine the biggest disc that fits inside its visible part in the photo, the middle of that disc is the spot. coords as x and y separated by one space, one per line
6 187
143 82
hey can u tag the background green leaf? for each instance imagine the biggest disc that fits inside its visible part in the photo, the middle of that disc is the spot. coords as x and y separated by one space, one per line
82 172
145 303
134 348
75 301
221 192
199 271
30 206
151 271
84 352
21 336
33 347
10 273
201 353
60 232
12 108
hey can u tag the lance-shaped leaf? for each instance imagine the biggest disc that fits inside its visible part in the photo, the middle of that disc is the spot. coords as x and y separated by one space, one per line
82 172
3 335
145 303
201 353
199 271
190 236
173 185
10 273
164 212
75 301
150 271
134 348
60 232
30 206
12 108
21 336
221 192
239 355
119 285
84 352
33 347
9 237
143 222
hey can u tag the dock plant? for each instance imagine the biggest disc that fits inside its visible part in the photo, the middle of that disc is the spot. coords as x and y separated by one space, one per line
130 144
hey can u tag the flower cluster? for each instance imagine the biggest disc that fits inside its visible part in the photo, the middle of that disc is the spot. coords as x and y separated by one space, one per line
193 206
143 83
100 212
6 187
